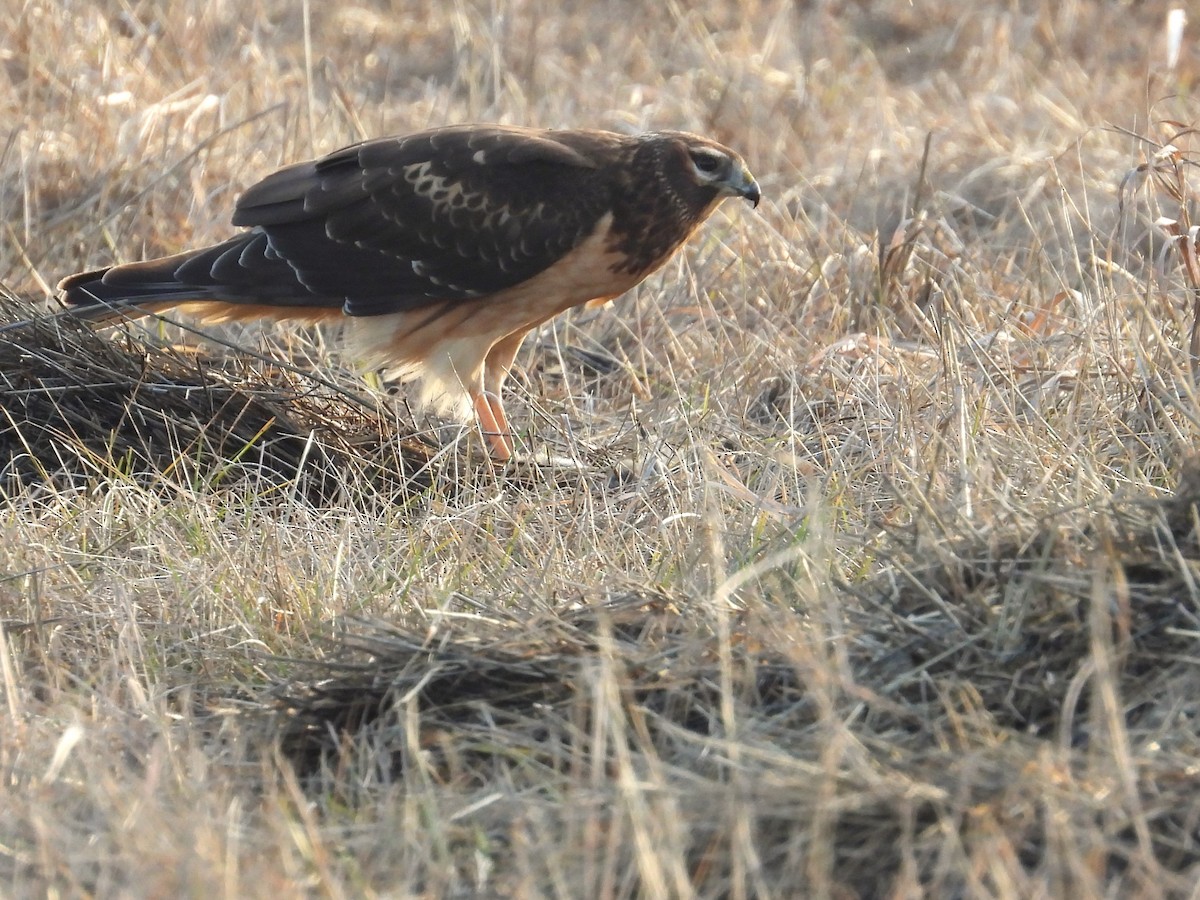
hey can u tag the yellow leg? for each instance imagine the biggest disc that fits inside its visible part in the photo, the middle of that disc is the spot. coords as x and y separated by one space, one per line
494 425
488 408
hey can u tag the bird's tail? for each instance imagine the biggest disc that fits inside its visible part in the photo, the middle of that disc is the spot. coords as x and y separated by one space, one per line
235 280
137 289
108 294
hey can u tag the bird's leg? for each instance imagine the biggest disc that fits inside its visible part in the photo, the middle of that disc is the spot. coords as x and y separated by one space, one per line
494 425
489 408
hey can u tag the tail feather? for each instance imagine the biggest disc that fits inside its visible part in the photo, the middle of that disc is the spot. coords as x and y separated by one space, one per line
108 294
239 278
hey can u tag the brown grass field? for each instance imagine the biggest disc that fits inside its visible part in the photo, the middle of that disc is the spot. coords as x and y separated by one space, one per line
878 573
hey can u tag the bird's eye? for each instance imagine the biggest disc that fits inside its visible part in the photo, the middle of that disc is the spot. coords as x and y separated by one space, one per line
707 163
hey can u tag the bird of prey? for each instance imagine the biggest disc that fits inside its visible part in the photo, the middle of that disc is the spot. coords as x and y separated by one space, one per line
441 250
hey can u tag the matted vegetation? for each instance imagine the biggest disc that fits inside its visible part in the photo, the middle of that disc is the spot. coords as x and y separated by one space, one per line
877 572
80 408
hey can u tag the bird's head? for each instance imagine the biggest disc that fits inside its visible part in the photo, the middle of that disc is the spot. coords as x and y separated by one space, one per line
664 185
713 165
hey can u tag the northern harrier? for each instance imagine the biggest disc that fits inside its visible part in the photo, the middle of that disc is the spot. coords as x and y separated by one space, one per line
442 249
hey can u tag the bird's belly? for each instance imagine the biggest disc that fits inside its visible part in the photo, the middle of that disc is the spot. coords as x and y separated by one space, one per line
448 340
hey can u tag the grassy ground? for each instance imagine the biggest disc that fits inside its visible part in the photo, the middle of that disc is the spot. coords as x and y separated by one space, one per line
879 578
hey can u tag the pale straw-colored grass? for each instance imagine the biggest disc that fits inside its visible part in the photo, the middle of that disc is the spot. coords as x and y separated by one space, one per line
871 584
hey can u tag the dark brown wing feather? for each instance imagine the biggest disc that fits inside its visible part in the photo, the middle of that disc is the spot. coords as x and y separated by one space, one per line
391 225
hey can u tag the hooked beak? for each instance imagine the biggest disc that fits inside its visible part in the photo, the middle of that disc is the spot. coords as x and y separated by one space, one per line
743 185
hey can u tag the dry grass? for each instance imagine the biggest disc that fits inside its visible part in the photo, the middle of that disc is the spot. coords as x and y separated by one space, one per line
879 574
